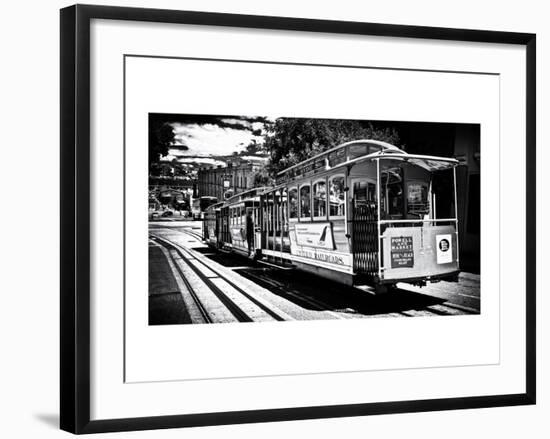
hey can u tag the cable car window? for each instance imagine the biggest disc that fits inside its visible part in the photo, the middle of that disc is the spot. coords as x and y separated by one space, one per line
417 199
270 211
392 190
319 163
336 196
320 199
357 150
284 209
374 148
305 202
336 157
293 202
364 192
276 209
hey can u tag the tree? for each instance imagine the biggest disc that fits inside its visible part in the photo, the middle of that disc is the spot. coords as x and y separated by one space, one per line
161 137
292 140
253 148
262 178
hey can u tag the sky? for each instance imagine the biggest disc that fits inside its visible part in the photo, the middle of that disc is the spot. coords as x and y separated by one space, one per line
212 139
210 135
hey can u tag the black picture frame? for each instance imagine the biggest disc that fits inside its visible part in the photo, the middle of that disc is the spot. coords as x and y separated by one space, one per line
75 217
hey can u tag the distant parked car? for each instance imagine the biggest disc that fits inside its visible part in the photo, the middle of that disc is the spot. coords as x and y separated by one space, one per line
167 213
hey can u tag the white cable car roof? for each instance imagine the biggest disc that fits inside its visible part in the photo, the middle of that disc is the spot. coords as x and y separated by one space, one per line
431 163
382 150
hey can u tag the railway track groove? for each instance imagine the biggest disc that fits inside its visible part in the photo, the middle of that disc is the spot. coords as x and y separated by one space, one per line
199 268
180 277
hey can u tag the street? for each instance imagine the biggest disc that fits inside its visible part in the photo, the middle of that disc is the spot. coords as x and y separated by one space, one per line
192 283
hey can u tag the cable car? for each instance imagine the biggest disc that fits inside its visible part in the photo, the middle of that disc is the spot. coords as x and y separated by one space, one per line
238 223
365 212
210 225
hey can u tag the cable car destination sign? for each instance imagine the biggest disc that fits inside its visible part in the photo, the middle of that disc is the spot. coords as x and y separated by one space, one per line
402 254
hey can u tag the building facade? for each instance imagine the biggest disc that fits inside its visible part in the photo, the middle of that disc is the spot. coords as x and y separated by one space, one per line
224 181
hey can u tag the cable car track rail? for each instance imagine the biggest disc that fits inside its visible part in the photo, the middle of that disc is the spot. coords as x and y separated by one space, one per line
235 309
192 233
194 296
293 295
318 305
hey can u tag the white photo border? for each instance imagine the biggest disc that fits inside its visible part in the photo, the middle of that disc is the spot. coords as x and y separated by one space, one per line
458 335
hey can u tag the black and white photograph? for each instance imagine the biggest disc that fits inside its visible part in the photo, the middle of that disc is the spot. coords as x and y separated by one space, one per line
274 218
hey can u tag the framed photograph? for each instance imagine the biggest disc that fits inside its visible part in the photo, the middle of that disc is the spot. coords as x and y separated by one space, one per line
272 218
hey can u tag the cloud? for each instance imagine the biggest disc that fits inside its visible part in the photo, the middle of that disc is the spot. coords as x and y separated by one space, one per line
169 157
202 161
255 158
236 123
213 139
